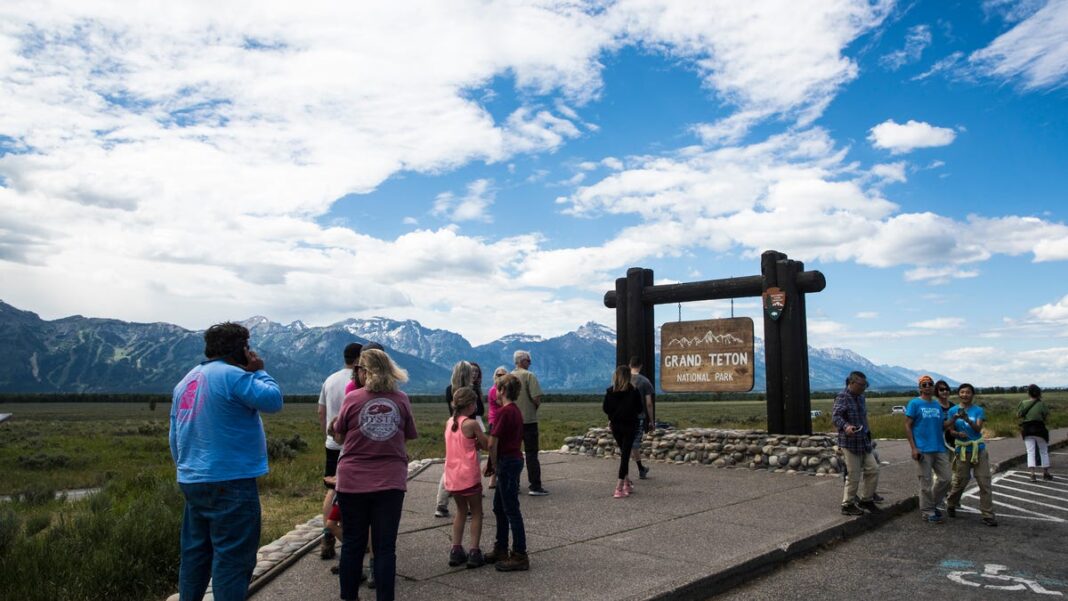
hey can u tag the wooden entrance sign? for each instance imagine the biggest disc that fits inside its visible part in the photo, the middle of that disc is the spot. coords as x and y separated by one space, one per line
711 355
785 331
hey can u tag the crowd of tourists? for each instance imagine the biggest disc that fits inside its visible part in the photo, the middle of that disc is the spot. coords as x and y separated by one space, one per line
218 445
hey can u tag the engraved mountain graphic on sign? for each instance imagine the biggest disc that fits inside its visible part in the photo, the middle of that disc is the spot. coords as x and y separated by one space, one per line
708 338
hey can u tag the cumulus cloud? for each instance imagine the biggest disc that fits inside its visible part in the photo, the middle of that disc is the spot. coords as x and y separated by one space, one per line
988 365
899 138
471 206
1055 312
916 40
1034 51
890 172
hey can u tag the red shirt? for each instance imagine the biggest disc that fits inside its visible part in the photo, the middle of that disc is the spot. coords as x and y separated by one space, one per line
508 430
374 456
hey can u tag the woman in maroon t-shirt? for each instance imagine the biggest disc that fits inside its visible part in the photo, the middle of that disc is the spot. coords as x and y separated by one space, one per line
372 472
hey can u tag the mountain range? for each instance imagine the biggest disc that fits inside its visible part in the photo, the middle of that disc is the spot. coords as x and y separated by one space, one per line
81 354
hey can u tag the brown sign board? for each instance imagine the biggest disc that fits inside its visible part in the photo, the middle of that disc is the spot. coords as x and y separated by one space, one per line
711 355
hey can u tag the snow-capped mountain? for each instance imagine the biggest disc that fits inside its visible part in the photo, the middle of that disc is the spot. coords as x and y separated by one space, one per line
78 354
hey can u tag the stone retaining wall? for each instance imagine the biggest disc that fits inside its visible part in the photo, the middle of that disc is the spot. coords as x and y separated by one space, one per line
752 449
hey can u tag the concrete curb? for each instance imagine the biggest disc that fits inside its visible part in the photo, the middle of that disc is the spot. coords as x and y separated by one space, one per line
724 580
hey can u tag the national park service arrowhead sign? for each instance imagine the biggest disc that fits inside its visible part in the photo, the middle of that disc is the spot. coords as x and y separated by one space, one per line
712 355
774 302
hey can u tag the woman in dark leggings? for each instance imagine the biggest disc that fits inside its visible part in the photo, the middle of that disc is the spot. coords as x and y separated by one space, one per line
623 404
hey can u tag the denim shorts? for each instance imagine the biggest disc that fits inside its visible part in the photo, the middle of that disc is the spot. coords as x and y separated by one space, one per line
637 444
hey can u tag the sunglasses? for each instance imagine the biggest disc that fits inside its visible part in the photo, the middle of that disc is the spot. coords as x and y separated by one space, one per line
943 390
926 385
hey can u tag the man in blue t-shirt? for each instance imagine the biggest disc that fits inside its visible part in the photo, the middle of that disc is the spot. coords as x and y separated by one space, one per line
219 448
925 427
970 456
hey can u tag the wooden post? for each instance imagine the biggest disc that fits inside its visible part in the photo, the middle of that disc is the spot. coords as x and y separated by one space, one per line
649 332
806 384
635 315
772 347
793 364
621 321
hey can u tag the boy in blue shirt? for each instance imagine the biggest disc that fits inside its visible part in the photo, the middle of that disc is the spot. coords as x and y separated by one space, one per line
924 427
970 456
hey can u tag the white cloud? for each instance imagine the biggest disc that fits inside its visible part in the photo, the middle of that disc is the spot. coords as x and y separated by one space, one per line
916 40
1055 312
899 138
890 172
471 206
989 366
939 323
939 275
1035 51
867 315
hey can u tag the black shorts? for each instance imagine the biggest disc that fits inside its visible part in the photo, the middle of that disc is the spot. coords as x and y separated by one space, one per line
331 464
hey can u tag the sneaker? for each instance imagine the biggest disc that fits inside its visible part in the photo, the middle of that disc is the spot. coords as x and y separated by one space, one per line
496 554
628 487
990 522
326 547
1047 476
852 509
951 512
457 556
877 498
537 492
935 518
643 472
475 559
515 562
618 494
869 506
442 512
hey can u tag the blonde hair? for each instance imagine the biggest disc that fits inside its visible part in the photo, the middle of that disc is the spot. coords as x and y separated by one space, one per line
461 397
621 378
508 387
383 374
462 375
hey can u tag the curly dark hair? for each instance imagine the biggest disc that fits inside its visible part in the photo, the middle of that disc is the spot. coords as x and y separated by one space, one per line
224 338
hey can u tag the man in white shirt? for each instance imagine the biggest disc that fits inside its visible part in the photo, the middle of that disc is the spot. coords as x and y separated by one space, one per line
330 399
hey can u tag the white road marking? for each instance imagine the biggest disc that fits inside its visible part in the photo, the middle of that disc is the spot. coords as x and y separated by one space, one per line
992 571
1029 495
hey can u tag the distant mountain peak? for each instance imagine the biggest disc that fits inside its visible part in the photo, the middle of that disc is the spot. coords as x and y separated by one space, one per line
519 338
592 330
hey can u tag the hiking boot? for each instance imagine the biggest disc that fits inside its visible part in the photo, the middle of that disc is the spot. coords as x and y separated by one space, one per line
852 509
516 562
457 556
989 521
495 555
951 512
869 506
326 547
442 512
475 559
643 472
537 492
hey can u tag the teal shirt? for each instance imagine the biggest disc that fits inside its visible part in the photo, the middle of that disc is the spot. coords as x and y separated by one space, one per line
976 413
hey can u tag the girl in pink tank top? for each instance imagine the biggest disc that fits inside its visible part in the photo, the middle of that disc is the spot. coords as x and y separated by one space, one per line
463 477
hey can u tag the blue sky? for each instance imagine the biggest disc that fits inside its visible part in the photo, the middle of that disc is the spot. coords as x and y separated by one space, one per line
491 168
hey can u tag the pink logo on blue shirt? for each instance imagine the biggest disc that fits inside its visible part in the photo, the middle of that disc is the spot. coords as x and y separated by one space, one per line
190 401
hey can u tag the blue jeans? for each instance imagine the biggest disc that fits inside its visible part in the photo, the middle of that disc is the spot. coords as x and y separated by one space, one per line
381 511
220 536
506 505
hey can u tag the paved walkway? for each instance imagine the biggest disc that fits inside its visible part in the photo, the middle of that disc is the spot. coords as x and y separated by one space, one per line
686 533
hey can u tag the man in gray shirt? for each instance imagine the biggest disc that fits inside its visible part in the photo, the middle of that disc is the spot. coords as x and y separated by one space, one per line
646 421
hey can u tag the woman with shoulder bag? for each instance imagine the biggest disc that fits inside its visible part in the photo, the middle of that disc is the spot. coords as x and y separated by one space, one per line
1033 414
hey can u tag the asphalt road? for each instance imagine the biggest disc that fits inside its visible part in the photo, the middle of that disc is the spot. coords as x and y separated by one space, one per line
1025 557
